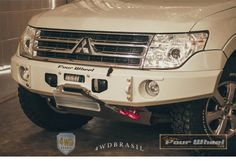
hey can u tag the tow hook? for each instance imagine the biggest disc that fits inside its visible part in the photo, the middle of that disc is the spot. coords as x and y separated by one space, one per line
134 115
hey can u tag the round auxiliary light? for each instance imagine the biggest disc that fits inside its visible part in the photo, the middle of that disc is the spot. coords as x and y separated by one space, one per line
152 88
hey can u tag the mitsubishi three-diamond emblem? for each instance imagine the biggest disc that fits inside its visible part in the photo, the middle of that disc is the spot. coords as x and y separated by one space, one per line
84 47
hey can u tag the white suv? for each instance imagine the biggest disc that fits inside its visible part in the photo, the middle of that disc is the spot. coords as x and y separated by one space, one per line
134 60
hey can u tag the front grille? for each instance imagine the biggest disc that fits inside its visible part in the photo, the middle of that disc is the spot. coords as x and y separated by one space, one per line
92 48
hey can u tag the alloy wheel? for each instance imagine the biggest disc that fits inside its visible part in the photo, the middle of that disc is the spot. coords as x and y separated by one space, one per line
221 110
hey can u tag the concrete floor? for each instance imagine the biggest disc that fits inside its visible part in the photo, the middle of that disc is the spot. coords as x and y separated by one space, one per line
18 136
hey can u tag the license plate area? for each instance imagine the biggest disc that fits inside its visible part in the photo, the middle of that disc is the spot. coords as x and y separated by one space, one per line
72 97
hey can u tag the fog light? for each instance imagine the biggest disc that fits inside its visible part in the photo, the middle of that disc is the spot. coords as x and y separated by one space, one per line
152 88
51 79
99 85
24 73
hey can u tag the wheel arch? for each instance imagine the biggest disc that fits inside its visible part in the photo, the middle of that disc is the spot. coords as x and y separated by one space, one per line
230 47
229 67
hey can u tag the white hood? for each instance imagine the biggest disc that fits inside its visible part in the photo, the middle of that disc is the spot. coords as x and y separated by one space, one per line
149 16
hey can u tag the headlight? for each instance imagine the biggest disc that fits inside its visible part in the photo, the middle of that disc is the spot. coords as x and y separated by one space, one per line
27 42
173 50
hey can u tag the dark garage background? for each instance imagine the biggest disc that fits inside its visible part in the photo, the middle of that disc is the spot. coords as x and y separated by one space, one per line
14 16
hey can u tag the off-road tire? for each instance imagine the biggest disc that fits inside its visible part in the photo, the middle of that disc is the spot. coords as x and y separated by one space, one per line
189 117
38 111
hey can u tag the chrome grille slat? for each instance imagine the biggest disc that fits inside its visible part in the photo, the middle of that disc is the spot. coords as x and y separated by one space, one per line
57 40
148 36
95 42
52 50
101 54
97 58
120 44
92 48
